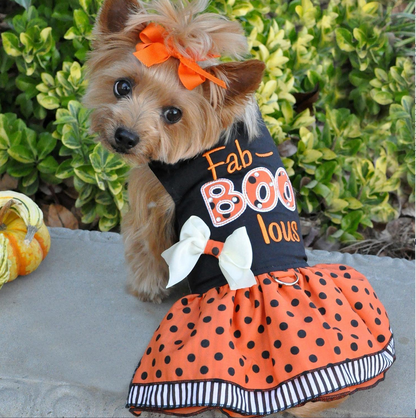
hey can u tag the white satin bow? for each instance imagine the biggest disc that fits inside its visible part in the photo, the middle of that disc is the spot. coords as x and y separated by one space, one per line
234 260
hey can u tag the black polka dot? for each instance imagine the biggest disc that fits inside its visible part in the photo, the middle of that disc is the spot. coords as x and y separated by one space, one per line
191 358
354 323
318 273
179 372
268 320
354 289
247 320
371 306
301 333
313 358
308 294
265 354
274 303
322 281
322 311
161 348
246 379
308 319
260 329
283 326
173 328
337 350
269 379
288 368
207 319
338 317
354 347
153 362
157 338
295 302
193 332
379 311
204 370
326 325
347 275
247 294
273 362
169 317
342 268
215 251
184 301
205 343
237 334
340 336
322 295
294 350
210 300
237 308
339 302
320 342
256 368
312 305
256 303
277 343
167 359
241 361
267 281
307 278
252 180
186 310
334 275
219 330
191 325
367 291
149 350
250 344
354 336
231 344
358 306
381 338
377 321
370 343
144 376
231 371
158 374
178 342
288 313
337 290
218 356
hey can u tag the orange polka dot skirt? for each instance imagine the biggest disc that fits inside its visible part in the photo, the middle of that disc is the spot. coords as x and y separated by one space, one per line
267 348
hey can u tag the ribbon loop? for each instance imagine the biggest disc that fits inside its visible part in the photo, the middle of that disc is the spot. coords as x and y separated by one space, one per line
152 50
234 258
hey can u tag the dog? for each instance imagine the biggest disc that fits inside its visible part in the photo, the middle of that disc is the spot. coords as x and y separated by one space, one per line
168 106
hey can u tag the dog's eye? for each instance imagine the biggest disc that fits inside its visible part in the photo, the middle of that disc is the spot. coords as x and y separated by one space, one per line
172 114
122 88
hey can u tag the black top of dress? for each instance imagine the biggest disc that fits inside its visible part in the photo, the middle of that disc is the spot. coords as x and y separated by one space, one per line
237 184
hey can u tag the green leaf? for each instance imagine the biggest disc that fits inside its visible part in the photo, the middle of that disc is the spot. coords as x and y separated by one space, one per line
86 173
21 154
16 169
382 97
30 178
48 102
11 44
81 20
48 165
65 170
105 224
24 3
344 39
45 145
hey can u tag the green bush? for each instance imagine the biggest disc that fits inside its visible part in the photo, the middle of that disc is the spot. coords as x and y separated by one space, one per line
337 96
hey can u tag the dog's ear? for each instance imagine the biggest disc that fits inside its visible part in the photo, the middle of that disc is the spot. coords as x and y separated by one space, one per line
242 78
114 15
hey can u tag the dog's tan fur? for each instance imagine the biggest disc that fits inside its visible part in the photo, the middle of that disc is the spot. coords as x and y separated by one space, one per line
208 112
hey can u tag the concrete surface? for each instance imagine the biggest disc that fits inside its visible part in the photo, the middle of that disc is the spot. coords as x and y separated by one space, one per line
71 336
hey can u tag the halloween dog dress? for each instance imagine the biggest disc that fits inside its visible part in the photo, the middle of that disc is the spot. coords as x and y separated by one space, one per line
261 330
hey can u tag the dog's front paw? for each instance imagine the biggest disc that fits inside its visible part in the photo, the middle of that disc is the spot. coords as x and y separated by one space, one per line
147 289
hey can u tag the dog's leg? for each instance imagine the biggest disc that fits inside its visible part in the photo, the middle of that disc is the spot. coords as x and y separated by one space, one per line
147 231
313 409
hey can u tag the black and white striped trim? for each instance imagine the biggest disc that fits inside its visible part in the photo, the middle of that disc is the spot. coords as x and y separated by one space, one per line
229 396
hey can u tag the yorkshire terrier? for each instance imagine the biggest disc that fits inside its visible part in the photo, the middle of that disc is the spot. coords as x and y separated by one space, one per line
146 114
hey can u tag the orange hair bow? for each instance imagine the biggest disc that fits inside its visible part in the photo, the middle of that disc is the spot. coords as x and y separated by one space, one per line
152 50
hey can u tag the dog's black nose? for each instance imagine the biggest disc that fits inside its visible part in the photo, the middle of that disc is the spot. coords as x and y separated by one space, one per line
125 138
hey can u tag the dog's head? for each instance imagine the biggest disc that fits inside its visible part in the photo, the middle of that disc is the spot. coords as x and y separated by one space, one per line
155 105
